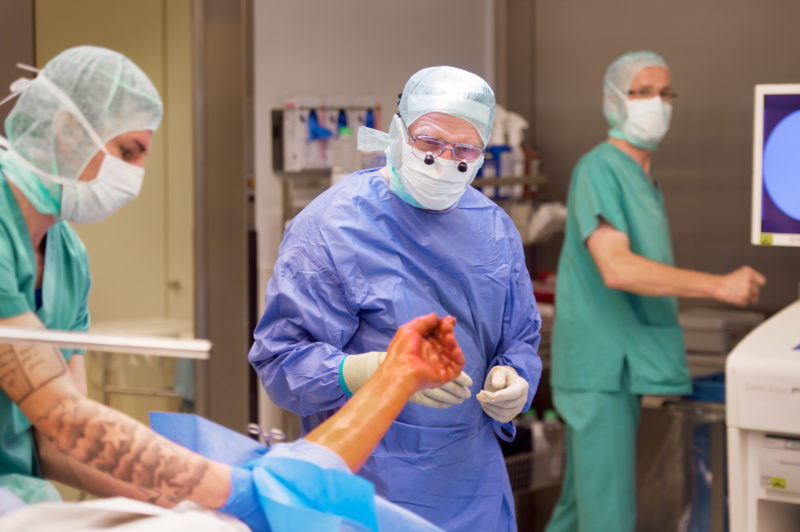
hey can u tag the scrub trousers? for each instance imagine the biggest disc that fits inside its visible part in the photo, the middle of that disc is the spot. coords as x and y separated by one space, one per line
599 490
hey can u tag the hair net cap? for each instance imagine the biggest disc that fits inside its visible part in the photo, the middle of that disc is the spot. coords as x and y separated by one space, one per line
618 79
114 95
449 90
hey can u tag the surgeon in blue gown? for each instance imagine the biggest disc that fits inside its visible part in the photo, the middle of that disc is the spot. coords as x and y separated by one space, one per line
383 246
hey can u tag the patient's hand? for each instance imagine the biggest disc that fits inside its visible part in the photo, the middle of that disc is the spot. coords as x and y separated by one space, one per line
426 347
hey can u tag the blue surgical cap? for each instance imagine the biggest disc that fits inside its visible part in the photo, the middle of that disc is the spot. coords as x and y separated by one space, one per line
618 79
449 90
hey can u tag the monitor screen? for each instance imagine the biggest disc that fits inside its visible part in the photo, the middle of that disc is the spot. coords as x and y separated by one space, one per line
776 166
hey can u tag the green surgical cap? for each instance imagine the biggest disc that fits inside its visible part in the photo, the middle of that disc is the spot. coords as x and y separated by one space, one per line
112 93
449 90
619 76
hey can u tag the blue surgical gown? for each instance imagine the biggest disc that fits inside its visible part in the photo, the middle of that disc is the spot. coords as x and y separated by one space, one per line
353 266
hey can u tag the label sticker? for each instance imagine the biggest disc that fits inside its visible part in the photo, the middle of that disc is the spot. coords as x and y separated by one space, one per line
776 482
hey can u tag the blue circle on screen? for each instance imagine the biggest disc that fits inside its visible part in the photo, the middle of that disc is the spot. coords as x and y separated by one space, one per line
782 165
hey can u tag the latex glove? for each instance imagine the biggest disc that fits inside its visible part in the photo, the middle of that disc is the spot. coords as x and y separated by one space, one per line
446 395
504 393
356 369
243 501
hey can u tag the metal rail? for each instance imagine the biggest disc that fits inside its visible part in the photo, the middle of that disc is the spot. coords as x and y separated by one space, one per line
139 345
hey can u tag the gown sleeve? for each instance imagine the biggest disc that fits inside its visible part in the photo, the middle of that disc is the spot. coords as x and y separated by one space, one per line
297 343
520 339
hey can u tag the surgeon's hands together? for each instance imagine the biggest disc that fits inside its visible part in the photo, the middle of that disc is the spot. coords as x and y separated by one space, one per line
504 393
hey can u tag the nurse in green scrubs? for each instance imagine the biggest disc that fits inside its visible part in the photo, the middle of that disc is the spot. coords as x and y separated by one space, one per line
59 300
68 158
616 331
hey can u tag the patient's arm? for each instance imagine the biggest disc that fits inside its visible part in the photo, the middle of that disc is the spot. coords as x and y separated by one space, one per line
92 446
423 354
60 466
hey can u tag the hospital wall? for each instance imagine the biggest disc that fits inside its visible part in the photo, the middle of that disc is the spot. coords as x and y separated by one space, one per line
717 51
358 48
142 257
16 39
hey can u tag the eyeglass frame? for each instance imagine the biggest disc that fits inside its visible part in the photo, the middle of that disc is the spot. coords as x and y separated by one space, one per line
446 145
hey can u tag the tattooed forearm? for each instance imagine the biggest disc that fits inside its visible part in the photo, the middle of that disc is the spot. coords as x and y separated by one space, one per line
114 444
25 369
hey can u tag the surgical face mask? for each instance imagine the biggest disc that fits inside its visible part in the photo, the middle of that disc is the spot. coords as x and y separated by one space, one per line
436 186
647 122
116 184
117 181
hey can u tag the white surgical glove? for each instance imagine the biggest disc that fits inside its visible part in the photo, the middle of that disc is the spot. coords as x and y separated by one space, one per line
448 394
356 369
504 393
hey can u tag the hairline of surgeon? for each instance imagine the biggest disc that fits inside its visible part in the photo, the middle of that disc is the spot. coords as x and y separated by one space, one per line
400 322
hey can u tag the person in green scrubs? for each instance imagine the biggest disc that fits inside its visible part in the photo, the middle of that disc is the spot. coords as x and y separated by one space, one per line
66 273
616 332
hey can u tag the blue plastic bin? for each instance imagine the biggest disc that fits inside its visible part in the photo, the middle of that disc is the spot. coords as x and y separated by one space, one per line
708 389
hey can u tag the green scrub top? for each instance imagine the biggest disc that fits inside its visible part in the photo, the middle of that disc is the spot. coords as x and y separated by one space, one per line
600 332
65 291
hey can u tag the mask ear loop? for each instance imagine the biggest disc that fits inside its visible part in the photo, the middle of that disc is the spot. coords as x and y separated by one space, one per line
19 85
29 68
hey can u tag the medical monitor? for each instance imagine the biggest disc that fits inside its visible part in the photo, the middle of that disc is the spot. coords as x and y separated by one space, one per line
776 166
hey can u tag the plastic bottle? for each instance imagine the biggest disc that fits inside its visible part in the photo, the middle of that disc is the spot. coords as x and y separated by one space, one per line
515 165
488 172
491 164
498 137
554 434
493 167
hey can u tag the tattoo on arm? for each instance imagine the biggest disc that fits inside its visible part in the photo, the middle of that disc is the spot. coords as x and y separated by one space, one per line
119 446
25 368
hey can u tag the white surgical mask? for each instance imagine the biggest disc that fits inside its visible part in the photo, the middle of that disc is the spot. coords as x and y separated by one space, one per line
436 186
116 184
117 181
647 122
